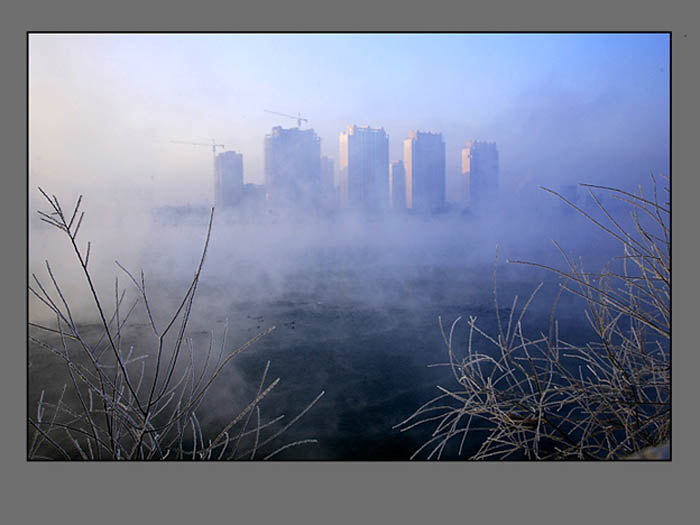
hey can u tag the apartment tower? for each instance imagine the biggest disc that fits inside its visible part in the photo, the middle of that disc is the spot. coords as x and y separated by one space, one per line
228 179
293 168
479 174
364 168
424 162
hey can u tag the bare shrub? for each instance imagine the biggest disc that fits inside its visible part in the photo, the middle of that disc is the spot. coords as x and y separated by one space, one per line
128 406
543 398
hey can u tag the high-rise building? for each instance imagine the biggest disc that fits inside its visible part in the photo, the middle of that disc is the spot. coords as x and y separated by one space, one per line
293 168
424 162
364 168
479 174
228 179
397 185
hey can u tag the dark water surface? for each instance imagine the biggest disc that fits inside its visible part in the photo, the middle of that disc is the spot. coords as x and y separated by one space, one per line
360 326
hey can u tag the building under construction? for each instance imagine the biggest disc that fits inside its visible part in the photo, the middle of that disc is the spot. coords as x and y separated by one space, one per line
228 179
293 168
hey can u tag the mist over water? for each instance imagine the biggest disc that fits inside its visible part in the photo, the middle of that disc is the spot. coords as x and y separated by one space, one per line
344 257
355 296
355 301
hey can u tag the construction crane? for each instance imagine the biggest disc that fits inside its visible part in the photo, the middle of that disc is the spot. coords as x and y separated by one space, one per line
298 118
213 145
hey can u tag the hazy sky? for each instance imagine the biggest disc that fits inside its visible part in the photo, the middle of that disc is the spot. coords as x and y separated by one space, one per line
562 108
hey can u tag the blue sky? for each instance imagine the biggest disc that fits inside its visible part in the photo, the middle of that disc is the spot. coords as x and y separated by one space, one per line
562 108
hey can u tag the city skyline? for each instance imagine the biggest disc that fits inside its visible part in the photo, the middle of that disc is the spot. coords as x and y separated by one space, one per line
367 179
579 107
375 195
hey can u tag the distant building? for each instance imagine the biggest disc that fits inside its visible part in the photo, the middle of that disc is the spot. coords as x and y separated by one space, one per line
479 174
170 215
424 162
397 185
249 208
228 179
293 168
364 168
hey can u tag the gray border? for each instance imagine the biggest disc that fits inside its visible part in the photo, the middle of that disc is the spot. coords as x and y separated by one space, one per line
339 492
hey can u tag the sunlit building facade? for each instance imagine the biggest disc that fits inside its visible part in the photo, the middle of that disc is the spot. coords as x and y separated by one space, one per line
364 168
424 163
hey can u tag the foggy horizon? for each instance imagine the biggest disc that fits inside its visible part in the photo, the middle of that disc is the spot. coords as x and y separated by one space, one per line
563 109
354 290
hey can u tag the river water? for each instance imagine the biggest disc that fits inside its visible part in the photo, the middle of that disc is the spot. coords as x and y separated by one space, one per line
355 316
